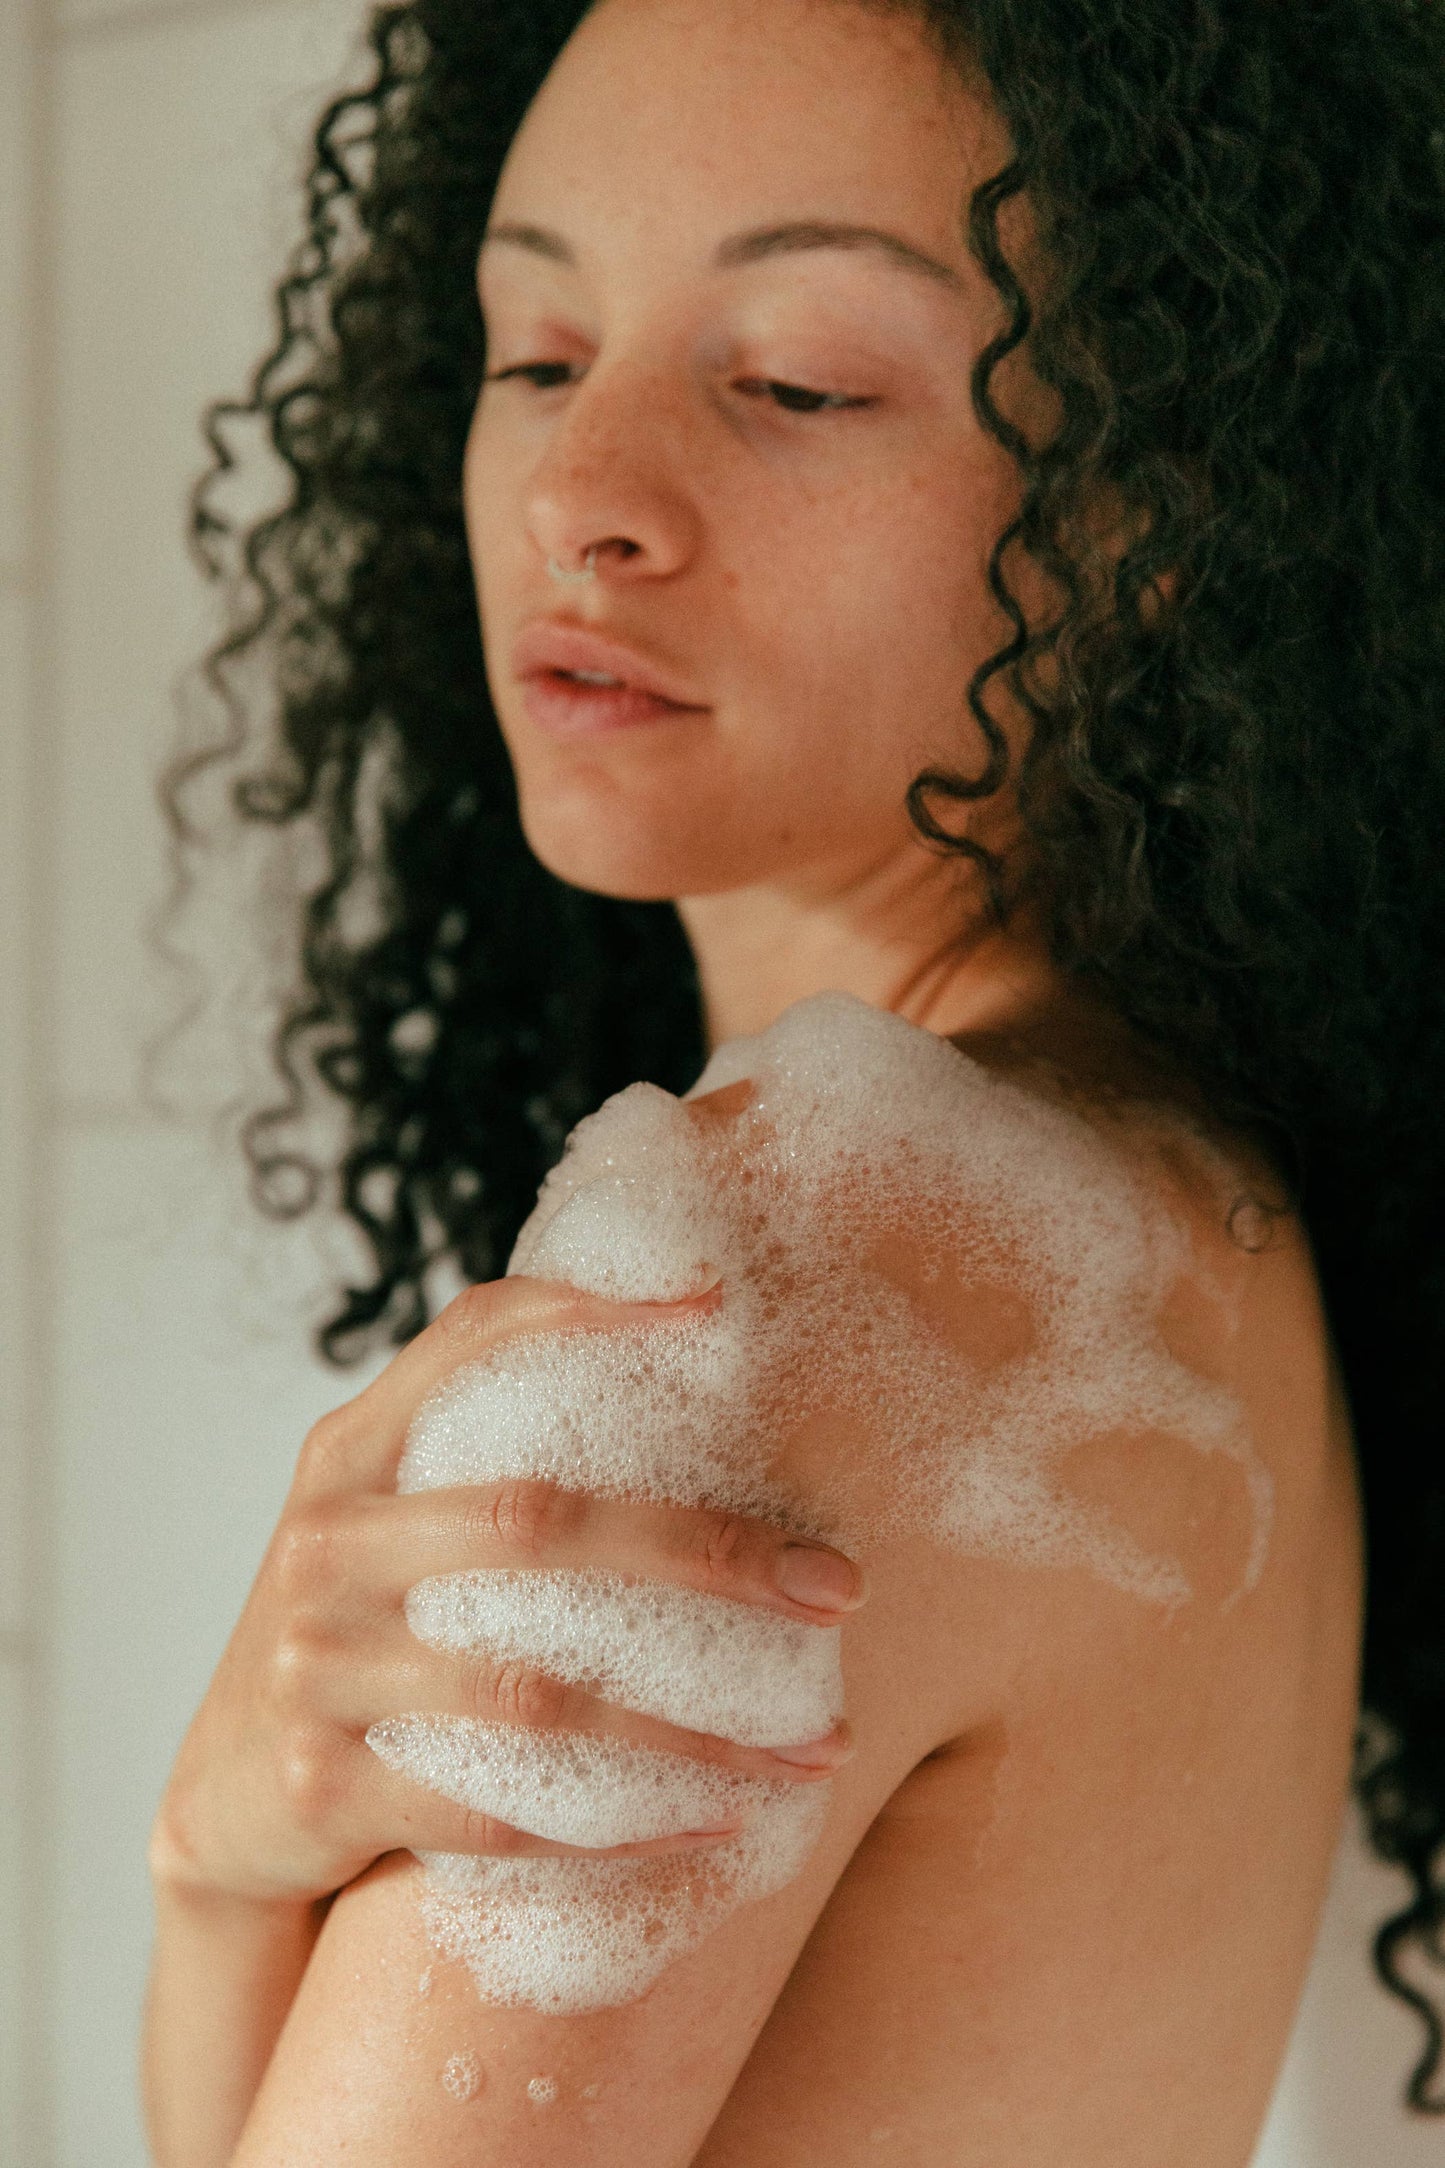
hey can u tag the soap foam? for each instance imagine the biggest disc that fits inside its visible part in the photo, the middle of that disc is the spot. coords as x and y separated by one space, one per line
688 1658
862 1130
870 1192
462 2077
566 1935
571 1787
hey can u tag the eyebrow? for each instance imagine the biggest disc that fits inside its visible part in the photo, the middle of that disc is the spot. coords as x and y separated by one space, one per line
796 237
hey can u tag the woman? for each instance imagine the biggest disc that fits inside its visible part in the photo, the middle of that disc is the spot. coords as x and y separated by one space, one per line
842 361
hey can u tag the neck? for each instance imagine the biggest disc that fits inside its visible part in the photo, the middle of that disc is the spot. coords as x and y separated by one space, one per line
913 935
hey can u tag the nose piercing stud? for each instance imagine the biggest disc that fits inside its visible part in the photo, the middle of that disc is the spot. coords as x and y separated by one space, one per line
564 578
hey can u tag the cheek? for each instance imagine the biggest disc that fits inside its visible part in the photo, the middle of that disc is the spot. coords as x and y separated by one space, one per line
489 495
867 613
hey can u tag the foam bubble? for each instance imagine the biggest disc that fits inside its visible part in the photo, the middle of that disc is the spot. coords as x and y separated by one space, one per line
949 1280
566 1935
688 1658
462 2077
862 1132
542 2090
570 1787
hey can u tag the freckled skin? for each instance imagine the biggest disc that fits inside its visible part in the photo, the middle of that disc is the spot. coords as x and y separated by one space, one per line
1067 1768
1064 1902
753 538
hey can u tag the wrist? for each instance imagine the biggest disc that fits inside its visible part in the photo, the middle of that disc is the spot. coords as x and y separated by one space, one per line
199 1910
182 1883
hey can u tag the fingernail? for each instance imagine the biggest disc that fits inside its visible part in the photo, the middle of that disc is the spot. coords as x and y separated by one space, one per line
824 1579
829 1753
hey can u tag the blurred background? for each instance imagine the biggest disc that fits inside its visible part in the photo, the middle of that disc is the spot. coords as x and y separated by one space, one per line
155 1371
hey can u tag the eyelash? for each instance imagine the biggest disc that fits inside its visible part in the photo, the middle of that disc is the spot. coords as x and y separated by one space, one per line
792 398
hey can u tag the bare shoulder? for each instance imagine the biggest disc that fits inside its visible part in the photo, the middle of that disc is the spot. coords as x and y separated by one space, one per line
1077 1929
1263 1504
1057 1370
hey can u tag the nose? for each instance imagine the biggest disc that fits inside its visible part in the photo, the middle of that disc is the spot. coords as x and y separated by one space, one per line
609 489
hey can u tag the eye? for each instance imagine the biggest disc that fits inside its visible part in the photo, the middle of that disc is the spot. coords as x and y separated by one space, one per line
541 375
796 398
792 398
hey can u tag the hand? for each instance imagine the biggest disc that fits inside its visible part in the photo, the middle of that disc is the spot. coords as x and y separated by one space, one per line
275 1795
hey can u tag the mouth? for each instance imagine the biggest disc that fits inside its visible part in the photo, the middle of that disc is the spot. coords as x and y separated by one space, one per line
577 683
572 703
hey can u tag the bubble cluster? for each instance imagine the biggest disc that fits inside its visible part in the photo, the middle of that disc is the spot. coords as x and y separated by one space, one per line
566 1935
936 1284
675 1653
571 1787
462 2077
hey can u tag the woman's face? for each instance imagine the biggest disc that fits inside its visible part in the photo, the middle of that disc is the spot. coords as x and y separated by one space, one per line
726 249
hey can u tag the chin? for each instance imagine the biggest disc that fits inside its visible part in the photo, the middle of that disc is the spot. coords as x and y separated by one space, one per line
636 860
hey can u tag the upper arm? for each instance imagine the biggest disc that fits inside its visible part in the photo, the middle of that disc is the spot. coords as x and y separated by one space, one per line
1113 1876
389 2055
1079 1935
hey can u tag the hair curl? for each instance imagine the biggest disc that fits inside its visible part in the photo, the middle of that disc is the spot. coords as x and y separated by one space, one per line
1236 805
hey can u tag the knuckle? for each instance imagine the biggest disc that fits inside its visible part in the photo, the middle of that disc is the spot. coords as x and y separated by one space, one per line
485 1834
329 1446
307 1557
295 1660
724 1544
173 1852
522 1695
492 1310
474 1308
526 1516
311 1777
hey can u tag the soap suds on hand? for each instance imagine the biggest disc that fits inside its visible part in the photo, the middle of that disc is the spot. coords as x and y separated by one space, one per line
953 1281
678 1654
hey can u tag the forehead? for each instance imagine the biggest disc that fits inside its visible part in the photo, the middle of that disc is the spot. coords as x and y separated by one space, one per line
670 117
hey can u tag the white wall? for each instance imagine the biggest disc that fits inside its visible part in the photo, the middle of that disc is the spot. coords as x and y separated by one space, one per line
154 1388
153 1381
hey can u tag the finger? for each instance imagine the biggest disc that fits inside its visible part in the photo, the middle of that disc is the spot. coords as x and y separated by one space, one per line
357 1446
396 1814
414 1680
397 1542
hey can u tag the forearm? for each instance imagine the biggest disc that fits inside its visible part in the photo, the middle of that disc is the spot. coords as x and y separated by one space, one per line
390 2059
223 1975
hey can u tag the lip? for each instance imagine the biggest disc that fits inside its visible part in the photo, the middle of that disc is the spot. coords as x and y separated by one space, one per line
550 647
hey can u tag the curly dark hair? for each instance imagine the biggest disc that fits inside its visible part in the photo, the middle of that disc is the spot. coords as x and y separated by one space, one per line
1236 806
